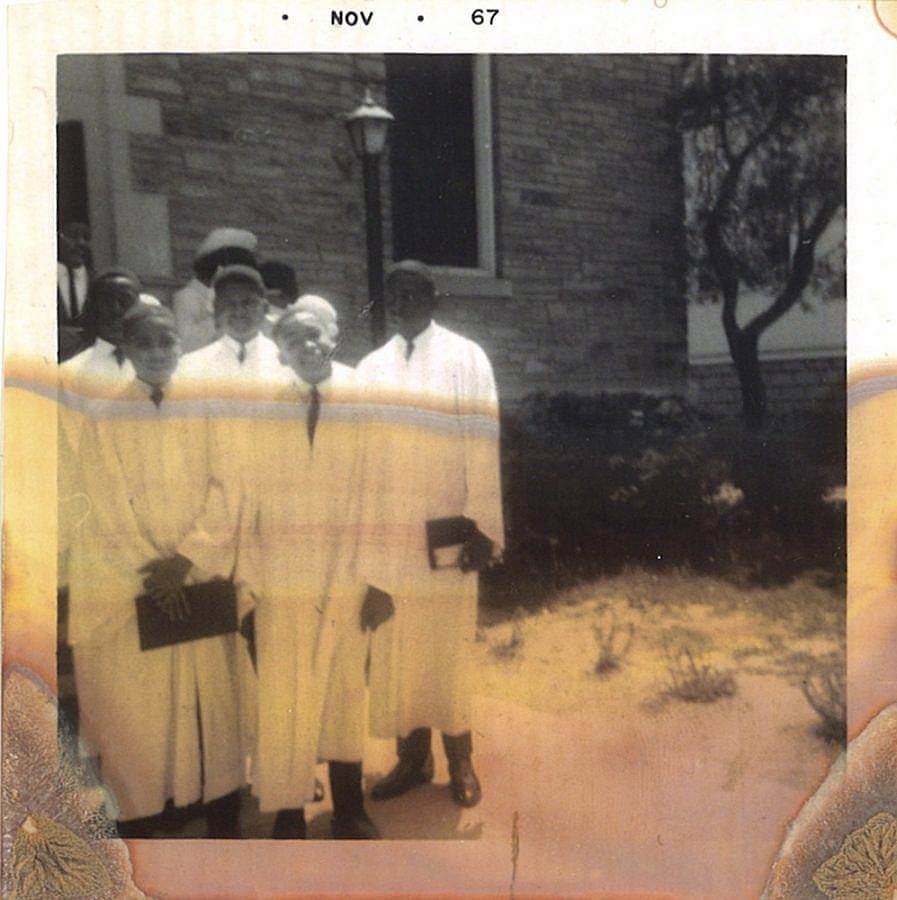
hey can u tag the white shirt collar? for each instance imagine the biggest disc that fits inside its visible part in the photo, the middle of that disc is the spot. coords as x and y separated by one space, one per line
103 348
234 345
304 386
420 341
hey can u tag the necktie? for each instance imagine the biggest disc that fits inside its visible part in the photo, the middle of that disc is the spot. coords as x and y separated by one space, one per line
409 349
314 411
241 353
156 394
119 355
73 294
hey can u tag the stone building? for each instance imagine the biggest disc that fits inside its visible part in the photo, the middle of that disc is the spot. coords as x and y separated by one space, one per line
546 191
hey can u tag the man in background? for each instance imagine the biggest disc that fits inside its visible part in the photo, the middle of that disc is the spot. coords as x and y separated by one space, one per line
73 263
193 304
281 290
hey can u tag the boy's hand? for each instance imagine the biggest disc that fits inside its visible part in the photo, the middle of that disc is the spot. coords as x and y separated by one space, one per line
476 553
165 577
376 609
247 629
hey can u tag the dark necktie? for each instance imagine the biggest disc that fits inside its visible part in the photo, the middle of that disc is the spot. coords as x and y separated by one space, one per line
409 349
73 294
241 353
156 394
314 411
119 355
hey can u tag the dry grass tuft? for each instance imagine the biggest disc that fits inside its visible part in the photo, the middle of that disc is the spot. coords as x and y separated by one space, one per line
697 682
689 678
510 646
613 644
826 692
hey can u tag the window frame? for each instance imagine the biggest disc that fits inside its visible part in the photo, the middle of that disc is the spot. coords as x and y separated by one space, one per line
451 278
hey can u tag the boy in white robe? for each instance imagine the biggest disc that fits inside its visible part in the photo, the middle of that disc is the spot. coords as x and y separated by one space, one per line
164 721
242 358
435 456
311 648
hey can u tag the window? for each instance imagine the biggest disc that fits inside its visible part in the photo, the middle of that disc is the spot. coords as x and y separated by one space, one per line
441 160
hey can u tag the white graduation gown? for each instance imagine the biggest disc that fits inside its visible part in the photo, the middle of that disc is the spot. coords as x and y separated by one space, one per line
94 372
234 393
432 453
164 721
301 506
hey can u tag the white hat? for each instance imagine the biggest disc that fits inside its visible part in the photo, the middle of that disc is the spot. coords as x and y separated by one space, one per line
221 238
247 273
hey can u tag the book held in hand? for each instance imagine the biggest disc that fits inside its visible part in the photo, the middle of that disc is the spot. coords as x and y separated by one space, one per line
445 539
206 610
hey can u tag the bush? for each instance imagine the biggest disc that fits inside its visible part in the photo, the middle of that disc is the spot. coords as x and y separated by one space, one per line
596 483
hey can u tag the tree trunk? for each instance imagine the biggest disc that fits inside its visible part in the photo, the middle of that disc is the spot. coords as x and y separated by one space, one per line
745 354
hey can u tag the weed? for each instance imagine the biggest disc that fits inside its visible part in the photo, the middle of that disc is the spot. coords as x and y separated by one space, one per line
611 649
509 647
826 692
695 681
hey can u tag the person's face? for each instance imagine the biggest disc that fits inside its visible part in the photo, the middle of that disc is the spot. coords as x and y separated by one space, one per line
114 297
154 350
73 244
240 309
306 347
410 303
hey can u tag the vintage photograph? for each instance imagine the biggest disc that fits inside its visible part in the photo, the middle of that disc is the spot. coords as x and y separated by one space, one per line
443 434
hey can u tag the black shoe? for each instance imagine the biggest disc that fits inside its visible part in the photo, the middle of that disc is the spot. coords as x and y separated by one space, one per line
357 827
415 766
406 774
289 825
464 785
223 817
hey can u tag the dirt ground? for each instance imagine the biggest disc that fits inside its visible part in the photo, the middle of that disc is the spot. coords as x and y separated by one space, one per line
610 782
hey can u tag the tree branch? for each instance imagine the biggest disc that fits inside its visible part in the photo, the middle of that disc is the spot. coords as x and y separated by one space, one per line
802 265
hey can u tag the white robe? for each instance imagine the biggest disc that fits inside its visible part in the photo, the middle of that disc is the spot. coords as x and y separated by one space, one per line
164 721
219 362
94 372
234 394
301 506
432 453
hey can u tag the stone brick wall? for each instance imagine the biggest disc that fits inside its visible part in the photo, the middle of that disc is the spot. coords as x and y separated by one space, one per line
588 200
794 386
256 141
590 224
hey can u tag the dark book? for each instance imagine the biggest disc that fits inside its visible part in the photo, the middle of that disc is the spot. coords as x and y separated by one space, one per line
208 609
445 537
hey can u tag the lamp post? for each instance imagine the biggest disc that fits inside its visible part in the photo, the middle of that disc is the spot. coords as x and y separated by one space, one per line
367 127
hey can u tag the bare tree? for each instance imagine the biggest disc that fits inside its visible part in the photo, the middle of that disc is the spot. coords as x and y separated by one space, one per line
765 161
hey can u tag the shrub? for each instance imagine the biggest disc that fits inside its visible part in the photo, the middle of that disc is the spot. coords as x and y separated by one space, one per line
593 484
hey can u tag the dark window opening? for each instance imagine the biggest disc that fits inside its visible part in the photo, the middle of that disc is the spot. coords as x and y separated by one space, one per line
71 174
431 157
